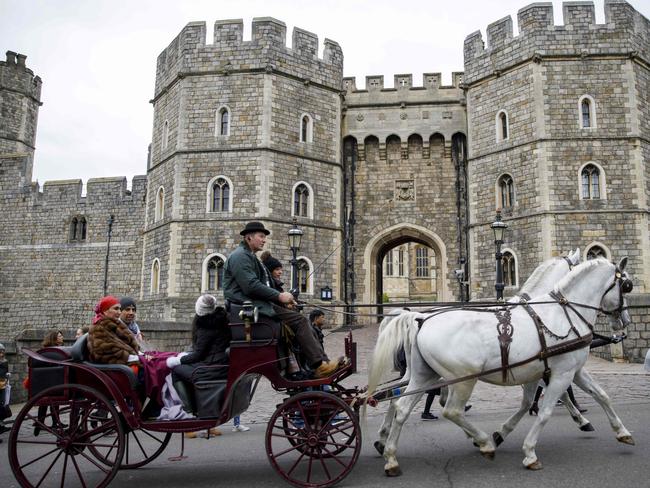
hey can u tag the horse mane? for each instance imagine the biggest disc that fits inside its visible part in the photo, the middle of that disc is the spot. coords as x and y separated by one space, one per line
534 279
577 272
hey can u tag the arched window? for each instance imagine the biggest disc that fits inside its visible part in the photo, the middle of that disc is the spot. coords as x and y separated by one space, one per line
215 274
306 128
220 195
586 112
422 268
371 144
304 276
389 263
159 212
165 135
155 277
302 200
78 228
223 122
415 146
437 147
509 269
506 191
590 177
400 261
503 127
393 149
596 251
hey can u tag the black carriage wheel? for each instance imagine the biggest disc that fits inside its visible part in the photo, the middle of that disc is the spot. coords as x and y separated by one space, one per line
51 443
313 439
141 446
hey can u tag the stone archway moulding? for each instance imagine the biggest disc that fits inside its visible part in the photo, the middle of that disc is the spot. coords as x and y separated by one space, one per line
393 233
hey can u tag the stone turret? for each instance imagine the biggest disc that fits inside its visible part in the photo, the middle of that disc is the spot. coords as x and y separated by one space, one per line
234 110
20 99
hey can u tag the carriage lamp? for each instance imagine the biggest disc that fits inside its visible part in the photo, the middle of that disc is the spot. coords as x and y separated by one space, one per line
295 236
326 294
499 227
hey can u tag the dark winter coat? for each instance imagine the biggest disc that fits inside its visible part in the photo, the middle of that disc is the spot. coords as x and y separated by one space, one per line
210 339
111 342
246 278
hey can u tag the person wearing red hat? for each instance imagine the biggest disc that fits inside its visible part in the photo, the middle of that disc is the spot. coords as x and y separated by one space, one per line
109 340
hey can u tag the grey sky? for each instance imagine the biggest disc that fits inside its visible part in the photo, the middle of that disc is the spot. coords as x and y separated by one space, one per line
97 59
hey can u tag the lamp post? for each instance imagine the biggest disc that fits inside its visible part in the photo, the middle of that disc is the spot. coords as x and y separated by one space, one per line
499 229
111 219
295 236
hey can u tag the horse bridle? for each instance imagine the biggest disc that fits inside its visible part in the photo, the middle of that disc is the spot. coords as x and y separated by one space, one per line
624 286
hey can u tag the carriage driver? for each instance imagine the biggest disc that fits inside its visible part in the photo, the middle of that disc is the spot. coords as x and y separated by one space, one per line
246 278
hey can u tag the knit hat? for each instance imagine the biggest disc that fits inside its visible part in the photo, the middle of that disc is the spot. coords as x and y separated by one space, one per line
205 305
127 302
104 304
2 347
271 263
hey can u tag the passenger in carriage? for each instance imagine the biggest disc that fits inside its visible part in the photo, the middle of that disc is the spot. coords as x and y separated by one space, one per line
127 317
210 341
53 338
246 278
109 340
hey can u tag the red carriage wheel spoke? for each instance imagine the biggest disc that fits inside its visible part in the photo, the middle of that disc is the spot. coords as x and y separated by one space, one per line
43 456
49 469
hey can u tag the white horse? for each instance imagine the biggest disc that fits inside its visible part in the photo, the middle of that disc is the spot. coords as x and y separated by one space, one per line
542 280
463 343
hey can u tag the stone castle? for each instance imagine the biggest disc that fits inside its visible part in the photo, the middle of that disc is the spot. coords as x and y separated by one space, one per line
551 126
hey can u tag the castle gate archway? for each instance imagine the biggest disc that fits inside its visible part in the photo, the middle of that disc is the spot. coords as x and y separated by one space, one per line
394 236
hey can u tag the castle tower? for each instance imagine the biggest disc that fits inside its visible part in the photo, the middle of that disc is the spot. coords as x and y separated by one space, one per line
243 130
564 154
20 99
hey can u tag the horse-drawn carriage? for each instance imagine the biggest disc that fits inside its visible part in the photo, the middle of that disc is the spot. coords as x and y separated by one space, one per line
84 421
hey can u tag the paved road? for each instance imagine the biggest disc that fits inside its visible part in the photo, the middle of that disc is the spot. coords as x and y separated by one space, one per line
433 453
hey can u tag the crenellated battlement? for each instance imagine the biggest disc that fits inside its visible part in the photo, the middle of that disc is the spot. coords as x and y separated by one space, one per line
15 75
98 191
403 82
267 51
625 31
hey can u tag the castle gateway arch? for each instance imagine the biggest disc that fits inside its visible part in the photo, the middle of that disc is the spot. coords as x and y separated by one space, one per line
384 241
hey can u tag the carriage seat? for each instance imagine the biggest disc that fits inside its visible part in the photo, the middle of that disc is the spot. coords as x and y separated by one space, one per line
79 353
265 329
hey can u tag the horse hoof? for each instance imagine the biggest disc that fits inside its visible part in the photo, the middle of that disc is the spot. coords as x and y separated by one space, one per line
393 471
498 439
488 455
536 466
380 447
626 439
587 427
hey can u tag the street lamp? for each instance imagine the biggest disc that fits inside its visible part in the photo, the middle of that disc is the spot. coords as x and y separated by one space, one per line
295 236
499 229
111 219
326 294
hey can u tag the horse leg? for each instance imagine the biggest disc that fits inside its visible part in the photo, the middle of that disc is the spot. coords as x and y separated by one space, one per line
584 380
385 427
454 410
583 423
557 386
403 407
509 425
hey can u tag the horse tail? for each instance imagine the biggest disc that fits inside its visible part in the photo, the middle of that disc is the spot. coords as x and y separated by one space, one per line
394 336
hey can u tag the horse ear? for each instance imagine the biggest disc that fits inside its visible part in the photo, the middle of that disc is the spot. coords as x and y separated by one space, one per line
575 256
622 263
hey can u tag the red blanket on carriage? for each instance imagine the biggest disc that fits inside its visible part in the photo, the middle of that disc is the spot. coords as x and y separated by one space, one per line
155 372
